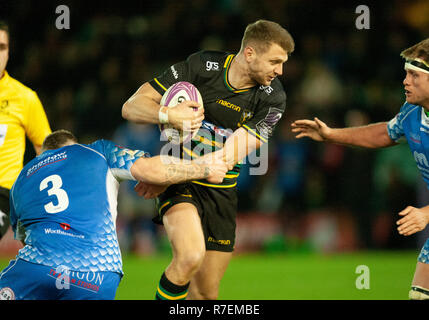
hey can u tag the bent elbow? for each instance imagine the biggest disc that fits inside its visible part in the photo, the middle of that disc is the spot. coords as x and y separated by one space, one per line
125 111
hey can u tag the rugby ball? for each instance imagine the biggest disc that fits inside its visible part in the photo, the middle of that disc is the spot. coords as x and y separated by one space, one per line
177 93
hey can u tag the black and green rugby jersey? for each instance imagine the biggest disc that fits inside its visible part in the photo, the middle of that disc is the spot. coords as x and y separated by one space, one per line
256 109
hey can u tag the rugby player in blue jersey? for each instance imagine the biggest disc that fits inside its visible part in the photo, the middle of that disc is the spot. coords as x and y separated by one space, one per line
63 208
411 124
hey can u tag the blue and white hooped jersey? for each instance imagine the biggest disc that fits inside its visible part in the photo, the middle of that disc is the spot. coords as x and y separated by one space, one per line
412 123
64 206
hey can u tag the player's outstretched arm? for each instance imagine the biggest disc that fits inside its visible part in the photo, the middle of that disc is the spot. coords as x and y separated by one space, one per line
371 136
144 107
166 170
414 220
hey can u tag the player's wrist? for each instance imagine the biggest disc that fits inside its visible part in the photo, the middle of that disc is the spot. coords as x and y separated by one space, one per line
163 115
329 135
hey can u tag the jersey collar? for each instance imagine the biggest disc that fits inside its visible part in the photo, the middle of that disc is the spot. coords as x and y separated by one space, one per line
4 80
424 118
226 67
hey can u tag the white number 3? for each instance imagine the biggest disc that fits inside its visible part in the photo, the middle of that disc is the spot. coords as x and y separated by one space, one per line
55 190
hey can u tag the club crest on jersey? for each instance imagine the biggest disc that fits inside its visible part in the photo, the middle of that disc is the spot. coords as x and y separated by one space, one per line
245 116
4 104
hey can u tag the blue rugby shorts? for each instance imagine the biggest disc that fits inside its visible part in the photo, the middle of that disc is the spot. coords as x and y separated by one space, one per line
23 280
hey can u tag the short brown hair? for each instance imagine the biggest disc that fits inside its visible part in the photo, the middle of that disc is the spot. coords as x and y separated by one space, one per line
420 50
262 33
5 27
58 139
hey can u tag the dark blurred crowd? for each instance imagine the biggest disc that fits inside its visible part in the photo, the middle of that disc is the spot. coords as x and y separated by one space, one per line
340 74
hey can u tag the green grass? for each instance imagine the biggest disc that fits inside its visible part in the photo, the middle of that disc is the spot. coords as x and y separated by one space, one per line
286 277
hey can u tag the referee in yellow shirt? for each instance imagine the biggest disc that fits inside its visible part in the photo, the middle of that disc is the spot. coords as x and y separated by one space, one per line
21 113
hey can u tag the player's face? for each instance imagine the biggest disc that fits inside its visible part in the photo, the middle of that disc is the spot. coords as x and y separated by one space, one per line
266 66
4 51
416 85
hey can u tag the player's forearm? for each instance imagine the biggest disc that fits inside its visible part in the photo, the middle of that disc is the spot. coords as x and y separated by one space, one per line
166 170
177 173
370 136
141 109
238 146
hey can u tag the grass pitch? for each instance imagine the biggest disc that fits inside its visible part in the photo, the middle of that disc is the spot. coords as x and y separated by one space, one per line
286 277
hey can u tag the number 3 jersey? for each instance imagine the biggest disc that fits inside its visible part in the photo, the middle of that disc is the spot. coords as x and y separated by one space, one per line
64 206
413 124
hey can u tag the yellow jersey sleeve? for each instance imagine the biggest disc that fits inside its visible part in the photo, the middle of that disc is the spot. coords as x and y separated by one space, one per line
36 123
21 114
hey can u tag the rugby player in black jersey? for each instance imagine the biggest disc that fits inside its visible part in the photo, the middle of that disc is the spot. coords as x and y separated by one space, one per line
243 101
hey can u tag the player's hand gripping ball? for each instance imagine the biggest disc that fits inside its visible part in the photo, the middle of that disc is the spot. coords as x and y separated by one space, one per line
176 94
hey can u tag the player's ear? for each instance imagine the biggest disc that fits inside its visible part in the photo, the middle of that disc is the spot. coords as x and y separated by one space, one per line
249 53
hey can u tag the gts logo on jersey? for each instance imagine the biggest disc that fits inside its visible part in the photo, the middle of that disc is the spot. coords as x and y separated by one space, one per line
212 66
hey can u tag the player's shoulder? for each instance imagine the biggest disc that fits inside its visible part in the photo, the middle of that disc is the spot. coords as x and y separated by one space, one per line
206 55
23 90
408 107
45 158
274 89
273 93
113 151
210 60
101 146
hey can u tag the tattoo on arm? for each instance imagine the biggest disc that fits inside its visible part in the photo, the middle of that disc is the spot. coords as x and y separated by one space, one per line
176 173
206 172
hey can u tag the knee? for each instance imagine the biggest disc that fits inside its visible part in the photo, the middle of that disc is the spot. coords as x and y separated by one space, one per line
189 262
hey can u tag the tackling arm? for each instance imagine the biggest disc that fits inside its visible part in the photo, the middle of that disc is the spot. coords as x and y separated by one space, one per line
166 170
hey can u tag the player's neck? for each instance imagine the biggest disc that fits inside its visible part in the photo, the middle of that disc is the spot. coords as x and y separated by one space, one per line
238 75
